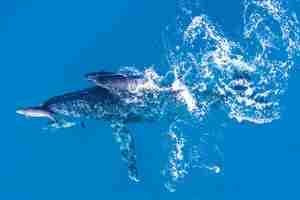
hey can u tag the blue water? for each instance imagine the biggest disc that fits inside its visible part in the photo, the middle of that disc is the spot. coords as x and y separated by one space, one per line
46 47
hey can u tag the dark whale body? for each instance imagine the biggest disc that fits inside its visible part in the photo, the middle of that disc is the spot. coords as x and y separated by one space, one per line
98 103
115 81
95 103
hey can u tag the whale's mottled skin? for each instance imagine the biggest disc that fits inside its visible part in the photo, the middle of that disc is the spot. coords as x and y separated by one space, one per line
96 103
115 81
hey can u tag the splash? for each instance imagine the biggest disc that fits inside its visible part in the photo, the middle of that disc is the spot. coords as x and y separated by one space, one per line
248 75
243 78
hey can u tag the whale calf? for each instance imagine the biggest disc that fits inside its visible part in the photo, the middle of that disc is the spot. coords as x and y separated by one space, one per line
116 81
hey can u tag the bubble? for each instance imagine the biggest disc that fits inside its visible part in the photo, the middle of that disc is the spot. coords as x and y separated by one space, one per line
244 79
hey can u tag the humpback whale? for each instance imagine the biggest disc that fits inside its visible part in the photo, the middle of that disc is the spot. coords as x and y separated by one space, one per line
116 81
125 81
102 103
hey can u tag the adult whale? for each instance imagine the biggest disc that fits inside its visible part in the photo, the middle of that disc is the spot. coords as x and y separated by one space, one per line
95 103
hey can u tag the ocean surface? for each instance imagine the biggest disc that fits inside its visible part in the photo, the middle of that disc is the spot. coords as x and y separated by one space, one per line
236 64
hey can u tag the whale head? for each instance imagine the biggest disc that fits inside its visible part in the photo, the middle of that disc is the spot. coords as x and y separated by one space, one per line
34 112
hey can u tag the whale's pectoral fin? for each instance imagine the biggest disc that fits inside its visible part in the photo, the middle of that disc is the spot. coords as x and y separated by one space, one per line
127 147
